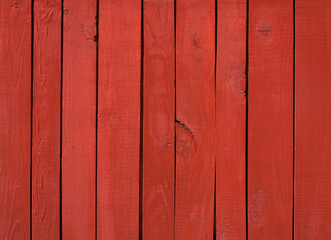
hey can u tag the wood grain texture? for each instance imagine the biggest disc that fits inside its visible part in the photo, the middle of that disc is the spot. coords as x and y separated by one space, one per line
231 120
119 119
270 119
79 120
159 120
195 113
15 119
312 120
46 120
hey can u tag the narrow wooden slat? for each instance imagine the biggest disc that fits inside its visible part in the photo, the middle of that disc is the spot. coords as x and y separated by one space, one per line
158 122
15 119
46 120
195 113
231 120
270 119
312 120
119 119
79 119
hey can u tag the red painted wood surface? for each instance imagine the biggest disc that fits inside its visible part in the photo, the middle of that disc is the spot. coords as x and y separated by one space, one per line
145 123
15 119
231 120
119 119
270 119
158 122
195 114
46 120
312 120
79 120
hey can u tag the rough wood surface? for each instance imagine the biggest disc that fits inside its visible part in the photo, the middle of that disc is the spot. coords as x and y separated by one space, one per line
79 120
159 120
165 119
15 119
46 120
312 120
119 119
195 113
270 119
231 120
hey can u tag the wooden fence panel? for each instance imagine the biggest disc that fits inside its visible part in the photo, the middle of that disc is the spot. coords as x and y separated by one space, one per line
119 119
79 119
158 120
270 119
312 120
15 118
231 120
46 141
195 119
165 119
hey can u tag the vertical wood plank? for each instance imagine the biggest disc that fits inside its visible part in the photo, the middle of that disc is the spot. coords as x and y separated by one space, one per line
46 120
159 115
231 120
15 118
79 119
270 119
195 113
119 119
312 120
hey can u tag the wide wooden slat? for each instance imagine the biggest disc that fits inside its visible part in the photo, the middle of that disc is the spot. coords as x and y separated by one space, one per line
119 119
15 119
46 120
195 113
231 120
158 122
270 119
79 119
312 120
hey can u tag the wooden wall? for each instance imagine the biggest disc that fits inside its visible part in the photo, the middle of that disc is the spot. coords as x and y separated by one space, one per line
165 119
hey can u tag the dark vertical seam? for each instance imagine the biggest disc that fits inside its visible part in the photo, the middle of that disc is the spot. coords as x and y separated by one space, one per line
96 39
215 117
175 113
214 226
215 70
293 199
246 130
61 114
141 164
31 113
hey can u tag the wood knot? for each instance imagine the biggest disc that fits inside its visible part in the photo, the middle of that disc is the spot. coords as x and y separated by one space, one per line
264 29
196 42
185 140
256 208
15 4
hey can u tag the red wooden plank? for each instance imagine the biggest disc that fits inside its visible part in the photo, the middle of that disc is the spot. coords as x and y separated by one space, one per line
195 113
46 120
15 119
159 115
119 119
79 119
312 120
270 119
231 120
